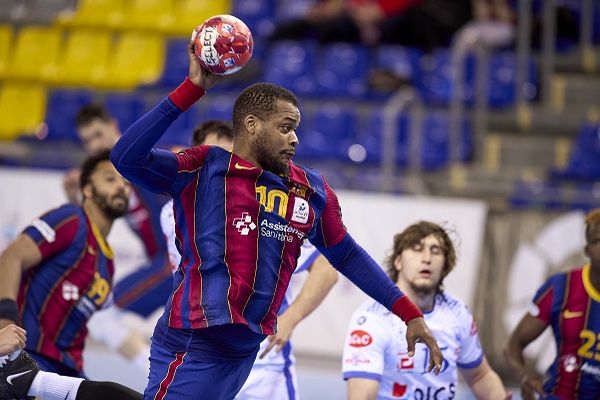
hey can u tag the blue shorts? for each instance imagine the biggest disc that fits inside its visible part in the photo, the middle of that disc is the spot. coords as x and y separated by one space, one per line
48 365
211 363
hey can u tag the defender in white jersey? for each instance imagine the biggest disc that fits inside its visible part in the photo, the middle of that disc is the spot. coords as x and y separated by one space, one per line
273 375
376 362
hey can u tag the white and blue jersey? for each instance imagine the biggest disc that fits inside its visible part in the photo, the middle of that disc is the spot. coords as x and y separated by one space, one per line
375 348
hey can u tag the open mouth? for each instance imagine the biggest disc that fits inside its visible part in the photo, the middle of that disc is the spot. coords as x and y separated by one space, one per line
425 273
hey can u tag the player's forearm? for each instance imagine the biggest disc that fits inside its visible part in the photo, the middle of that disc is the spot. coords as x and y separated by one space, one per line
489 387
514 355
10 275
320 280
355 264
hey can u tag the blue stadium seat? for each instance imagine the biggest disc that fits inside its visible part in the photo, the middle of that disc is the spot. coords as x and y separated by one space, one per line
538 195
63 106
341 70
436 138
176 64
403 61
217 107
371 136
583 163
259 15
329 132
291 64
125 108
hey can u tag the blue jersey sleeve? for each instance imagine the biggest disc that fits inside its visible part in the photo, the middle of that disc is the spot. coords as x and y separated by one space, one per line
135 157
54 231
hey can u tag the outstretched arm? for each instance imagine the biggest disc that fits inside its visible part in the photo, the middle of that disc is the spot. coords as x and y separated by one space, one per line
320 280
134 155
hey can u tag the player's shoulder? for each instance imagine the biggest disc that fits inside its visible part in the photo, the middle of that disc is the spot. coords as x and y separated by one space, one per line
560 278
308 176
196 156
373 308
64 212
447 303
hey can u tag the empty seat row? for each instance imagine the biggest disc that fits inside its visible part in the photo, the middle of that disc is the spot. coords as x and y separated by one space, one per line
173 17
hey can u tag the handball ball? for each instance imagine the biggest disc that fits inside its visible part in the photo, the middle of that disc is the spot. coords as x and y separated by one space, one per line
223 44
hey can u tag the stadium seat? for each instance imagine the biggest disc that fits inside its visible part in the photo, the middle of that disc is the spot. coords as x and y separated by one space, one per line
191 13
22 109
94 13
371 136
35 55
291 64
259 15
341 70
583 162
126 108
5 47
436 140
176 63
137 59
63 106
85 58
402 61
329 133
150 15
217 107
537 195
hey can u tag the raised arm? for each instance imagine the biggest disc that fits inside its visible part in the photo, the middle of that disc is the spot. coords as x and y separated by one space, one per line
134 155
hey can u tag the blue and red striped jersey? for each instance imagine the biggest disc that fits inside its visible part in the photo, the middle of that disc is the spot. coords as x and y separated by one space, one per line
240 229
73 280
571 306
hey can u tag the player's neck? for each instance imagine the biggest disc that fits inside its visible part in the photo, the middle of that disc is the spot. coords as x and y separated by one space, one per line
98 217
595 277
242 150
422 300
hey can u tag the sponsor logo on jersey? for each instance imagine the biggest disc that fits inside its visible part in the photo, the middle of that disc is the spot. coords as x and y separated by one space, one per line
70 291
398 390
360 338
356 359
591 369
361 320
300 213
46 230
570 363
568 314
281 232
405 362
244 224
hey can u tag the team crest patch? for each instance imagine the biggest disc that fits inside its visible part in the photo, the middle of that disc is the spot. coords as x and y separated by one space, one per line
300 213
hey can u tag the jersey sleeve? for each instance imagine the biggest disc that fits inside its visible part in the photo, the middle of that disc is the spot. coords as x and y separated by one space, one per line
541 306
189 161
471 354
365 345
329 229
54 231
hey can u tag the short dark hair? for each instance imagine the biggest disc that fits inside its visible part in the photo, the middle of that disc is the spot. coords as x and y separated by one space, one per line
412 236
89 166
90 112
260 100
223 129
592 219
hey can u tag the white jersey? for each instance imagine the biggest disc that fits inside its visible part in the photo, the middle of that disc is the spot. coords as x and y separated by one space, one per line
375 348
167 223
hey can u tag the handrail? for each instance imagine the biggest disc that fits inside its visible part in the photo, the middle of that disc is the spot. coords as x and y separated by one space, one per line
396 105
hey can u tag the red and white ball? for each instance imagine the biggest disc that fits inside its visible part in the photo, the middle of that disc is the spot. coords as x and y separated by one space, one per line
223 44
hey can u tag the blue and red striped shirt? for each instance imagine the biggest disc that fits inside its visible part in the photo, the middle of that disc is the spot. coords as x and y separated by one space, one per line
239 228
73 280
571 306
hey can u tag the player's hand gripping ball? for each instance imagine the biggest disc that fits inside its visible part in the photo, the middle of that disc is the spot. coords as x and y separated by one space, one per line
223 44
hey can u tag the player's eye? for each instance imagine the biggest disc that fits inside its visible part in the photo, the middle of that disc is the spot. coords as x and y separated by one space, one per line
436 250
417 247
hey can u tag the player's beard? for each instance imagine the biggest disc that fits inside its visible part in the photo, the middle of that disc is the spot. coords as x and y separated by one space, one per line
423 289
267 157
104 203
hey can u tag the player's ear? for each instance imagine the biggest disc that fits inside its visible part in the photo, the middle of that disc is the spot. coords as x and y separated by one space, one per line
87 191
251 123
398 262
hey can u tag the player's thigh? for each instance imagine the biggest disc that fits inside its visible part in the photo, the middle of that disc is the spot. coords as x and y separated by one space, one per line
264 383
180 376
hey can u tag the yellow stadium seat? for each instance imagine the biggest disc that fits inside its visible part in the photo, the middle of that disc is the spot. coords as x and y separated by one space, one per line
5 46
190 13
35 54
152 15
94 13
22 109
138 59
85 58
